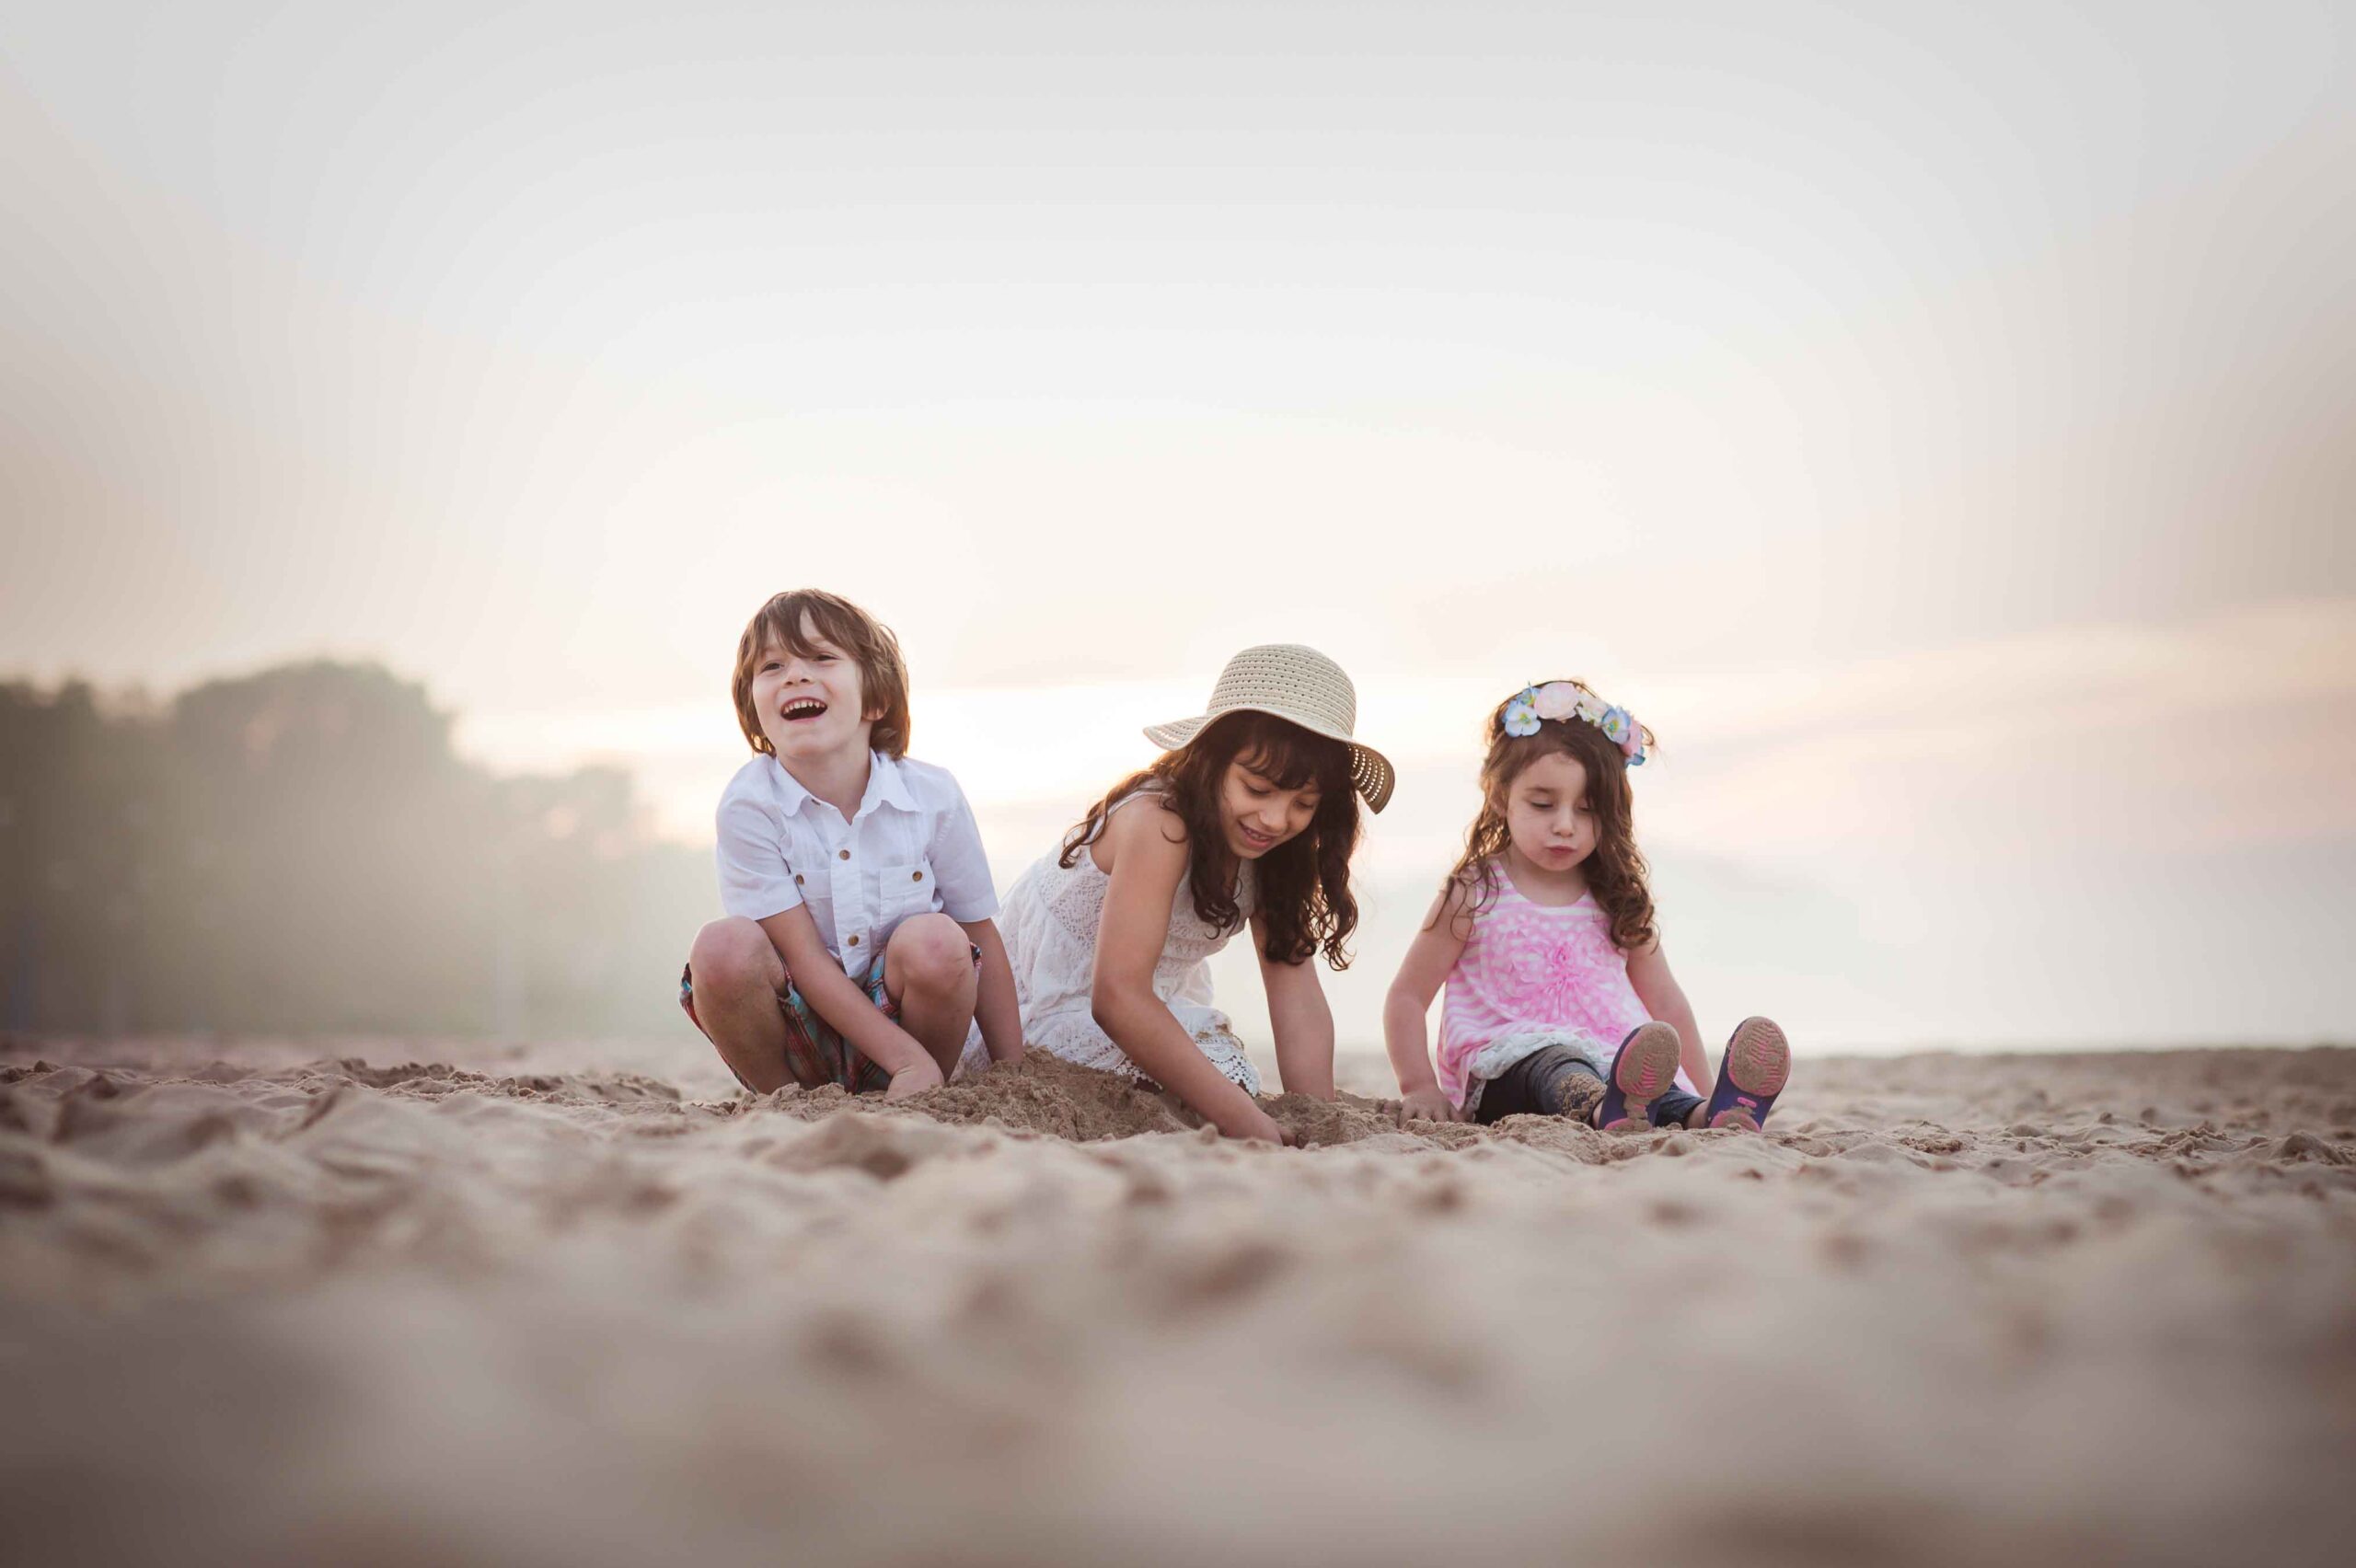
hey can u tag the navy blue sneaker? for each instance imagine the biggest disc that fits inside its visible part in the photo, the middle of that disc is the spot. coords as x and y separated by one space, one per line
1647 1064
1757 1065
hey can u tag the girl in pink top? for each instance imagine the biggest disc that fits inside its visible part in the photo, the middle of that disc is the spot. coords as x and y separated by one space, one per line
1559 1001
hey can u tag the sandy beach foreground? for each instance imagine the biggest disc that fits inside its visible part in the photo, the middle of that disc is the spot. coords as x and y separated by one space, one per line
1951 1309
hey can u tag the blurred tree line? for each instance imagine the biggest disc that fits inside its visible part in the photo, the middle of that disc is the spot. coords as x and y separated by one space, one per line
300 851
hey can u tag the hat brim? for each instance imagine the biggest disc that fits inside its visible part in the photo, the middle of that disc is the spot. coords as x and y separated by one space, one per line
1371 772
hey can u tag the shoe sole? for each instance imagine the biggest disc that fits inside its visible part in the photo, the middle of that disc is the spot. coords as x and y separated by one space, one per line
1758 1062
1645 1066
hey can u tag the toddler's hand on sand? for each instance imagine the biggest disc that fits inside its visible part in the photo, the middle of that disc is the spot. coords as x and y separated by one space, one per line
1425 1105
914 1078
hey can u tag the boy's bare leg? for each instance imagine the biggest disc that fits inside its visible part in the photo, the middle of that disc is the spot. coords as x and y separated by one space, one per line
928 971
740 992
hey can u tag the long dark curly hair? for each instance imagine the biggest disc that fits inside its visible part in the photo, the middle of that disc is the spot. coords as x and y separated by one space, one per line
1304 891
1615 873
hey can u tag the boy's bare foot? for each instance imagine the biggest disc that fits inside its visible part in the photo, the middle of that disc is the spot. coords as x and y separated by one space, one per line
914 1078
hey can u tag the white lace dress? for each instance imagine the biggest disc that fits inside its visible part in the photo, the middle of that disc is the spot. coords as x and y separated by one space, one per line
1050 921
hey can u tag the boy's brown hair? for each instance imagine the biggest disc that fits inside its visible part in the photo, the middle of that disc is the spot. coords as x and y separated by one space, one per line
882 676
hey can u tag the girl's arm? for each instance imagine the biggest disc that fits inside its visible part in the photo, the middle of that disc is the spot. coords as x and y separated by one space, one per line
1408 1006
837 997
1300 1020
994 1004
1665 999
1146 858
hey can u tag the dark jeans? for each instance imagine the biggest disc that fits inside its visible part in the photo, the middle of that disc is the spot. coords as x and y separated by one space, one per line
1555 1080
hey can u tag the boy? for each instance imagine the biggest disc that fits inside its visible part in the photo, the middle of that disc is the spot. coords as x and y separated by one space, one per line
858 946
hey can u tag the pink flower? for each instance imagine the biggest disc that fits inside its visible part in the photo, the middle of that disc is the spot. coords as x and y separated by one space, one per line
1557 700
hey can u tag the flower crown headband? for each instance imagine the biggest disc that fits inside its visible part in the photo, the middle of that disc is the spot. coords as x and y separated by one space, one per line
1566 700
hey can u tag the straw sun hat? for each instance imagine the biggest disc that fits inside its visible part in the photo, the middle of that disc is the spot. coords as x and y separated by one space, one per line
1297 684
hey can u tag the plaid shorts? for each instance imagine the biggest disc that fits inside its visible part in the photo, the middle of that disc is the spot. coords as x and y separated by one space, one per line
816 1052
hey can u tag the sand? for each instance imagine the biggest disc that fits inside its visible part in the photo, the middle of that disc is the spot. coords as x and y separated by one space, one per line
579 1306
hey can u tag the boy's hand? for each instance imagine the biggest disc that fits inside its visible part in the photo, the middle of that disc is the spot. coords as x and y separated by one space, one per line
914 1078
1426 1105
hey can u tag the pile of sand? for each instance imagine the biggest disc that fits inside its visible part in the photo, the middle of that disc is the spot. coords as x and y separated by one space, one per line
533 1306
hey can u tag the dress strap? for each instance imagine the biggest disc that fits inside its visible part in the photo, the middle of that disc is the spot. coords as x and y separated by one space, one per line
1087 849
1130 798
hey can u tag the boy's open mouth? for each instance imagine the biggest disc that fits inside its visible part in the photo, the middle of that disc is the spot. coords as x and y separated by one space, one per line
802 707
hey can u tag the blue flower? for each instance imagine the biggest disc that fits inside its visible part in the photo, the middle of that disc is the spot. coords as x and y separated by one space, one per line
1616 725
1522 716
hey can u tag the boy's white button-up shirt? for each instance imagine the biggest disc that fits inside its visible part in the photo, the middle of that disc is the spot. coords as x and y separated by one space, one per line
911 849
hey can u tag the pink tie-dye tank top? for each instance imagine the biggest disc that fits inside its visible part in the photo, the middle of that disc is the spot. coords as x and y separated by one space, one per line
1533 974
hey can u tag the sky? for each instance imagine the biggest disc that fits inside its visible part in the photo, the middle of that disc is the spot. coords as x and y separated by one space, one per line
1935 421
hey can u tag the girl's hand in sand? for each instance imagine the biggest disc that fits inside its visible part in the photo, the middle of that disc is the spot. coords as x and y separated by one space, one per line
1259 1125
1426 1105
914 1078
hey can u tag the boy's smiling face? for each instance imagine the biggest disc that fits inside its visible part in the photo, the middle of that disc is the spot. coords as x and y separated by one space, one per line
809 700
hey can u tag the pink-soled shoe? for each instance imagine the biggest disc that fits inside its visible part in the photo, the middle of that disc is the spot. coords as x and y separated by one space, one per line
1757 1065
1645 1064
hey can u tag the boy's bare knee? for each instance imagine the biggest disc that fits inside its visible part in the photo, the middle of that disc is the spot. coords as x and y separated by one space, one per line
733 953
931 951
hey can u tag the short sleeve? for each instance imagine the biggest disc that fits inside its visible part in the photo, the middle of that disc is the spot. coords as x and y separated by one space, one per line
755 880
961 871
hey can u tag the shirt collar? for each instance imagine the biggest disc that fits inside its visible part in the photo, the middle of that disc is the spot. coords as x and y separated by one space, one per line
887 785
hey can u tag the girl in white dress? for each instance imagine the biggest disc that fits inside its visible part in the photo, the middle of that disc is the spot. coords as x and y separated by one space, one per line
1249 817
